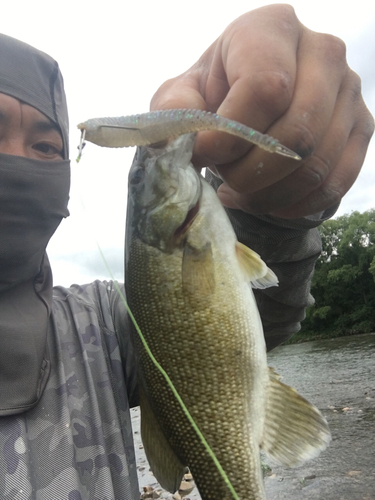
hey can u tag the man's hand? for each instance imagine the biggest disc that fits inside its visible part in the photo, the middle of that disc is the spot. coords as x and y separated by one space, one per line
273 74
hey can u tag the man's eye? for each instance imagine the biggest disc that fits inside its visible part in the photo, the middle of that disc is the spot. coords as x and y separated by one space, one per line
47 149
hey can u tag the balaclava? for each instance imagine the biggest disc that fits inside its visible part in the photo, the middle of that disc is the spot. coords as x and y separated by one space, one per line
33 199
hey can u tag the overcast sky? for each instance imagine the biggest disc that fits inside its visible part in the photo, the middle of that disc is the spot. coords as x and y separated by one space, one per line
114 55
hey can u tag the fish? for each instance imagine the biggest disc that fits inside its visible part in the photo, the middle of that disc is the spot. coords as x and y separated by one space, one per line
189 287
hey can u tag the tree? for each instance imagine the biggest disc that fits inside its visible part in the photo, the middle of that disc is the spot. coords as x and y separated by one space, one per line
344 281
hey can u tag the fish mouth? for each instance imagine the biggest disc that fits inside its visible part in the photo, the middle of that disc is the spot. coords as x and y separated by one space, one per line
190 216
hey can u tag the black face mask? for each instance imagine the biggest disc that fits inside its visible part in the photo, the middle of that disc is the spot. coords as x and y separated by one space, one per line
33 200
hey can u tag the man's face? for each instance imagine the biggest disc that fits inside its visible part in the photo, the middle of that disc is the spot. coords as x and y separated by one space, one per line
25 131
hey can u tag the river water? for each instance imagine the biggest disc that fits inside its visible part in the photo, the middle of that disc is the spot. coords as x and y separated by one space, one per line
338 376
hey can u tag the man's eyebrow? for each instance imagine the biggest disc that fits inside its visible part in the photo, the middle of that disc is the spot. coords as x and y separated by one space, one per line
44 126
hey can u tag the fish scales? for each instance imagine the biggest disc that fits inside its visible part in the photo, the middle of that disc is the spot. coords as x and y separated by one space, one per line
208 354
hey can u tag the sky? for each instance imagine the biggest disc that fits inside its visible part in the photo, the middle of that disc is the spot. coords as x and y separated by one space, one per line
114 55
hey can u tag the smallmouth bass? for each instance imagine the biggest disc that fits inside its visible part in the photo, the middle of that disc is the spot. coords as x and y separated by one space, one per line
187 284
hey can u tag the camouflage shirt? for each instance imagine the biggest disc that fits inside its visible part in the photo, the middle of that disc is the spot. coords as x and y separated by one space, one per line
77 444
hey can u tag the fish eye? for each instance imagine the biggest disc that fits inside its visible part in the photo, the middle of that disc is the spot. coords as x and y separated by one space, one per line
137 176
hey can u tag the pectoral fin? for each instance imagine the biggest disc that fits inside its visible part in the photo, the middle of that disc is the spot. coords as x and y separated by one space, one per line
294 429
164 463
254 269
198 278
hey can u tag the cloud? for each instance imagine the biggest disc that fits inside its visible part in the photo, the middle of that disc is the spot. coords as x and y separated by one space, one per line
85 267
361 54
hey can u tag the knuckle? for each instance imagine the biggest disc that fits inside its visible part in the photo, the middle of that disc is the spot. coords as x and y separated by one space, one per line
331 196
334 48
314 172
369 127
304 140
272 91
354 86
162 95
322 199
365 125
284 12
366 130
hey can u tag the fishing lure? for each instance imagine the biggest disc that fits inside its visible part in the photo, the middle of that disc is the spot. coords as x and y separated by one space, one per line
156 126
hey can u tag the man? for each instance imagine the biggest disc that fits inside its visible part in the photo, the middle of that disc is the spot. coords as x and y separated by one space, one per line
67 374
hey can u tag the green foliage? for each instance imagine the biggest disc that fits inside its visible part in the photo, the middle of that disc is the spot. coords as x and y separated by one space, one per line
344 281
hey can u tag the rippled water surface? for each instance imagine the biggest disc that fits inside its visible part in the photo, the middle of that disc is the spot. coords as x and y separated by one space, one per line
338 376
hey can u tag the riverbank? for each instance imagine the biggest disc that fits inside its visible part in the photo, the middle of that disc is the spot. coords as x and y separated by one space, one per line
302 336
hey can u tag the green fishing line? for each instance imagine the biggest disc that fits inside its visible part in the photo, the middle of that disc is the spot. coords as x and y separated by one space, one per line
170 383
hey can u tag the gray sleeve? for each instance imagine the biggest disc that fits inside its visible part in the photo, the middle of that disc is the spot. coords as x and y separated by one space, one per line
121 321
290 248
114 315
